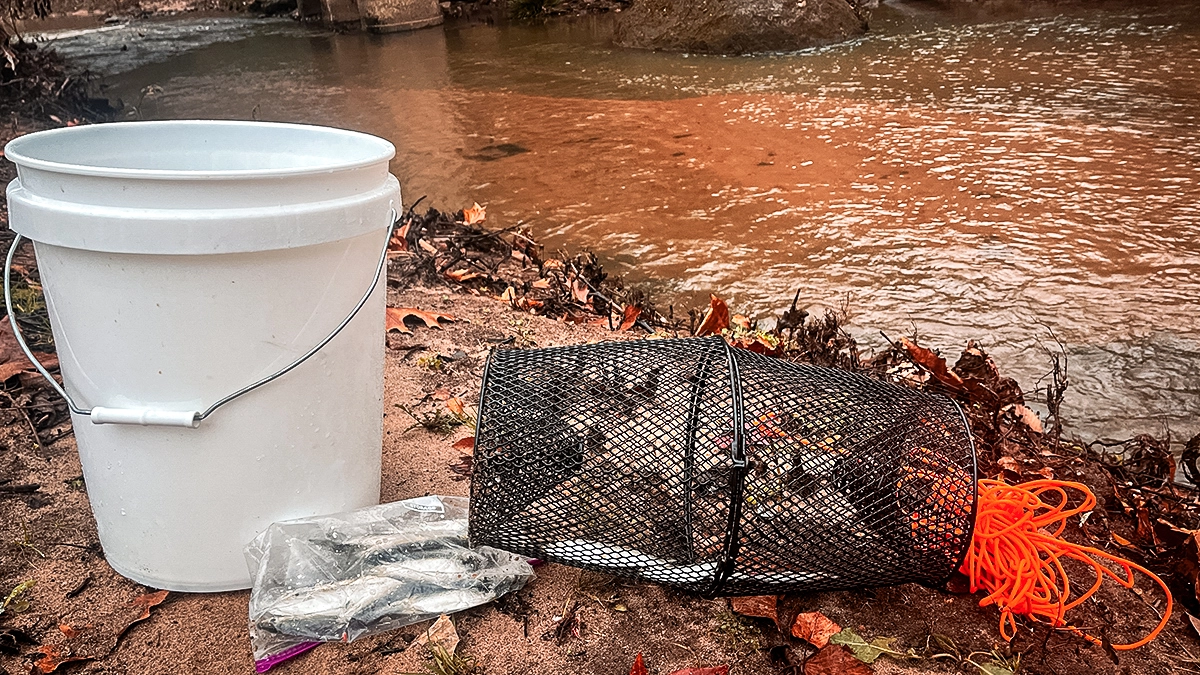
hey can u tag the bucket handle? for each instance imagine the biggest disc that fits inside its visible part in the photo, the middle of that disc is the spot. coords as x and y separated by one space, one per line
174 418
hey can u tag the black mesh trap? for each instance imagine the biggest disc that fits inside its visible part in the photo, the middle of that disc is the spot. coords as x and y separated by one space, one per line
691 463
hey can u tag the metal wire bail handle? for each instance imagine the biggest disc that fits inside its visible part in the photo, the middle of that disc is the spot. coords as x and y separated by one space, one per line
173 418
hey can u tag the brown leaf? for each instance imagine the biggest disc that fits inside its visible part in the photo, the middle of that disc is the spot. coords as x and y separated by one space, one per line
462 276
639 666
542 284
765 606
708 670
835 660
510 296
456 406
12 359
716 319
1188 564
97 639
930 361
741 321
475 214
464 444
1046 472
397 316
1195 623
1028 417
631 316
1145 528
441 634
1009 464
815 627
399 240
579 290
1121 541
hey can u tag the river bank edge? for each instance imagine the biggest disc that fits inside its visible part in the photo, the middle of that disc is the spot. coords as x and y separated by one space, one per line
502 290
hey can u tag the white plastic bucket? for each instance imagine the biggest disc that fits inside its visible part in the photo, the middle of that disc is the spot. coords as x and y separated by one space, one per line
182 261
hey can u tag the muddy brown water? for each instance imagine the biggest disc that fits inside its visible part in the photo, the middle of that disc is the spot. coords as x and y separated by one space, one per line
988 175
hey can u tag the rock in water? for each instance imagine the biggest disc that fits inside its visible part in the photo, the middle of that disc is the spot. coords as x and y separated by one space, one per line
740 26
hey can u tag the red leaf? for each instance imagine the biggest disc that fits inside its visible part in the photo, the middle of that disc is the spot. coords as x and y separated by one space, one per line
639 666
815 627
765 606
929 360
465 444
631 316
835 660
716 319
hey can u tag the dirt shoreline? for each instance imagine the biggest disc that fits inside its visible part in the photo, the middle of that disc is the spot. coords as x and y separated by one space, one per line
49 537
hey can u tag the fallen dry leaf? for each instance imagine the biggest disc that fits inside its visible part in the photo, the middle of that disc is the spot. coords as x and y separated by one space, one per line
1028 417
442 633
716 319
1009 464
541 283
639 666
764 606
464 444
462 276
815 627
510 296
579 290
397 316
97 639
709 670
741 321
631 316
399 240
929 360
1195 624
1188 564
12 359
475 214
835 660
1121 541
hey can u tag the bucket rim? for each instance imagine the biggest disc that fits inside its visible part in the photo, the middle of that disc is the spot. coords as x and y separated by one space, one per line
13 151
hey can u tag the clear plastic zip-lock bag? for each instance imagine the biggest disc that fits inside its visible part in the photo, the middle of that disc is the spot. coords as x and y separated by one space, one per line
340 577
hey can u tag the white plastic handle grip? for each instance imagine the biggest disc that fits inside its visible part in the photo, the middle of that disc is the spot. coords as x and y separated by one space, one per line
146 417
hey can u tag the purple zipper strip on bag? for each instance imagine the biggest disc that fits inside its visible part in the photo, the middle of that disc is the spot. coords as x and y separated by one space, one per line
263 665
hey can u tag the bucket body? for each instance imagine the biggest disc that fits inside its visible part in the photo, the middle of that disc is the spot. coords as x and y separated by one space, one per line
182 261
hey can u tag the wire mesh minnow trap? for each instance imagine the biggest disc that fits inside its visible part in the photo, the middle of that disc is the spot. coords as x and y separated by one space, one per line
691 463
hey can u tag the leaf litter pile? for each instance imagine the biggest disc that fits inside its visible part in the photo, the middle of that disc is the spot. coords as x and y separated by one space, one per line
1143 514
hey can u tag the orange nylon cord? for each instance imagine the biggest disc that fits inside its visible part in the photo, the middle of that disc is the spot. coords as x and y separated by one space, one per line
1016 555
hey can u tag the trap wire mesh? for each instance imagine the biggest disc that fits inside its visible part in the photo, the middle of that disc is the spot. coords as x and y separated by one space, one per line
691 463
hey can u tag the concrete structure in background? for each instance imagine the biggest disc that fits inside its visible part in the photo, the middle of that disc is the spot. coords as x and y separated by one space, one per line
377 16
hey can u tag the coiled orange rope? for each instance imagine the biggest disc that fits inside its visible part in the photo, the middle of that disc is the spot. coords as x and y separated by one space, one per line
1016 555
